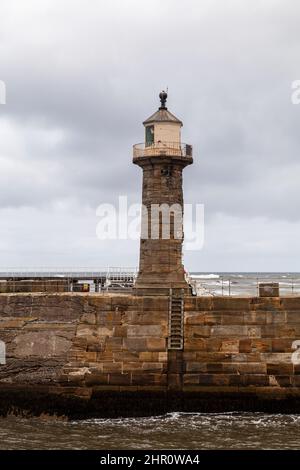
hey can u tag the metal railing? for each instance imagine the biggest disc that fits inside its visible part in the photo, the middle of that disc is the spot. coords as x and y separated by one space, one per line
102 279
63 279
157 149
64 272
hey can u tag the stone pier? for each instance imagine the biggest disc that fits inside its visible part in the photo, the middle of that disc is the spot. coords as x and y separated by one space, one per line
74 354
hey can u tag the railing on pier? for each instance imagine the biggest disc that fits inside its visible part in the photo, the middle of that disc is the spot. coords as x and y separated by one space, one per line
64 279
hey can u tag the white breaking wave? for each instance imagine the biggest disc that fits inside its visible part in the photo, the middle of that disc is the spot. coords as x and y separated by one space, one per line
205 276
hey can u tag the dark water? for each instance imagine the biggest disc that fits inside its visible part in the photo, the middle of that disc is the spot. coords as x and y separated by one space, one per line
171 431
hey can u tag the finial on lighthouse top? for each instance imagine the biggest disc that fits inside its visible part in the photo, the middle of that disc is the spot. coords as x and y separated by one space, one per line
162 115
163 98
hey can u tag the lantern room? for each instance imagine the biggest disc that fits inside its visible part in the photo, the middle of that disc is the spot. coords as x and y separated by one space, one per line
162 128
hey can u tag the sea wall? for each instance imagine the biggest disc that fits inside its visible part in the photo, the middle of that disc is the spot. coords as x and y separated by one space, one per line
241 342
100 349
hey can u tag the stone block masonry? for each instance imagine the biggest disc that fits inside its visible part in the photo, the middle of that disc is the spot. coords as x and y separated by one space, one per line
120 341
237 353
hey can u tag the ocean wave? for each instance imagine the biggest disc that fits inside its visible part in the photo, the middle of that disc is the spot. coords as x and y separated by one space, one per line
205 276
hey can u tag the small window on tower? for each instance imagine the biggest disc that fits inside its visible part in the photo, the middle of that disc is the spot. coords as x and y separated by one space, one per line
149 135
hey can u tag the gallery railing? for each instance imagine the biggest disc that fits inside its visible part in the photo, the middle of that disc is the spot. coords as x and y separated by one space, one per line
157 149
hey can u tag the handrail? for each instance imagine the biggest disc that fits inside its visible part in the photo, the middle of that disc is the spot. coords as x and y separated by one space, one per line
176 149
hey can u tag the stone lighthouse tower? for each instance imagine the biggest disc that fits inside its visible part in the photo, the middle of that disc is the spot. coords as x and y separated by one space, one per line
162 157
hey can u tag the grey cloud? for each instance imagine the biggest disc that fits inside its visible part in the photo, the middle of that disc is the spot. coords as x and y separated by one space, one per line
80 81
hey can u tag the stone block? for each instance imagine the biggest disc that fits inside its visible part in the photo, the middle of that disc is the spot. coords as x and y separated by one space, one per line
213 357
276 358
230 345
116 317
155 303
86 330
43 344
125 356
191 379
236 379
120 379
206 379
146 356
195 367
189 355
104 331
144 330
245 345
89 318
256 379
108 356
120 331
156 344
229 330
135 344
251 368
276 317
130 366
261 345
148 318
194 344
91 356
295 380
293 316
231 303
101 302
213 318
96 378
194 318
214 368
254 331
12 323
282 345
213 344
162 356
279 331
290 303
194 331
143 378
268 289
255 317
280 369
230 367
112 366
283 380
114 344
232 318
219 380
152 366
190 304
203 303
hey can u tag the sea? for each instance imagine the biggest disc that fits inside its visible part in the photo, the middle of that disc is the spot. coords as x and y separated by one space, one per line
243 284
193 431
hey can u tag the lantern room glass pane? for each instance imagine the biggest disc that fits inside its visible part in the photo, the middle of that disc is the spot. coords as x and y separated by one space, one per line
149 135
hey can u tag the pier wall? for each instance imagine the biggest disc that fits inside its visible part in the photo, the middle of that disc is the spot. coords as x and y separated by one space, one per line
89 345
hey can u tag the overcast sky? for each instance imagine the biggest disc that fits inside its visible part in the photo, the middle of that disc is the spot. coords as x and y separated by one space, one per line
81 76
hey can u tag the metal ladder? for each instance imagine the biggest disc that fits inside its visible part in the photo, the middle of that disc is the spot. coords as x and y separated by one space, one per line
176 318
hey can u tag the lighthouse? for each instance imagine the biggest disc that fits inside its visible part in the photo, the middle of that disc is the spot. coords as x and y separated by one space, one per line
162 157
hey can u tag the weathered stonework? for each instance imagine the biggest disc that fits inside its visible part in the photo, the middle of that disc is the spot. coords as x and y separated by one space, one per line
237 352
161 259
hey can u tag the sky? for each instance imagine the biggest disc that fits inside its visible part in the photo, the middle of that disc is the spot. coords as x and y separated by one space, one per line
80 79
